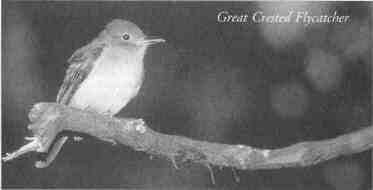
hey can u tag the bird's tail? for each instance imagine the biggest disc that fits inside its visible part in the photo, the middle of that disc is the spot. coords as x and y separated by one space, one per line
57 145
52 154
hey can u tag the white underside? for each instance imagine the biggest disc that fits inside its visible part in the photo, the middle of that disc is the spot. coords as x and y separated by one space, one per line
114 80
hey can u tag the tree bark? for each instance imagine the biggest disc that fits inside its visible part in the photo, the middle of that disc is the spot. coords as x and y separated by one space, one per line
49 119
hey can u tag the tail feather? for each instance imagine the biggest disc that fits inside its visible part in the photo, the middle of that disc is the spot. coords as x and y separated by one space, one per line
52 154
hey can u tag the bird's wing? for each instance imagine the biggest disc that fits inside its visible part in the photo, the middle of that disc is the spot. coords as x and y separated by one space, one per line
81 64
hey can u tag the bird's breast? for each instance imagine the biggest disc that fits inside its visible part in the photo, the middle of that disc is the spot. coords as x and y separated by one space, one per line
114 80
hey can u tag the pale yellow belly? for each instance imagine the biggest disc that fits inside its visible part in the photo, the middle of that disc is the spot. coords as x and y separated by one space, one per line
109 86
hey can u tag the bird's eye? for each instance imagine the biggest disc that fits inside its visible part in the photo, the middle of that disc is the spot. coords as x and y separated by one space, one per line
126 37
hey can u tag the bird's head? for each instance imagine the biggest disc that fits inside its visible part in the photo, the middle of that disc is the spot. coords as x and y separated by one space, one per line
127 34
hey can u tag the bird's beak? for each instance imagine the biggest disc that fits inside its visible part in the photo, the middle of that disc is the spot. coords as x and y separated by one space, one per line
149 40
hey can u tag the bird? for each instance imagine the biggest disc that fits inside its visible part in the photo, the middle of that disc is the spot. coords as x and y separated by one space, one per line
104 75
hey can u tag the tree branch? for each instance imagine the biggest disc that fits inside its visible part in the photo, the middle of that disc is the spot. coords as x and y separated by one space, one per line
48 119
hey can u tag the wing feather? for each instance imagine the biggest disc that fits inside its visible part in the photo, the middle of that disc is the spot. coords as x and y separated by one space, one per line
81 64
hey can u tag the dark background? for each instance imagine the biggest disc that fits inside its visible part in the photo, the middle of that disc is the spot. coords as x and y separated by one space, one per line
262 85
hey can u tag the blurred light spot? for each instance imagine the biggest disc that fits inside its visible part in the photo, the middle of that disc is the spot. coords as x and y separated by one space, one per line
281 35
360 44
289 100
344 175
352 39
284 34
323 70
